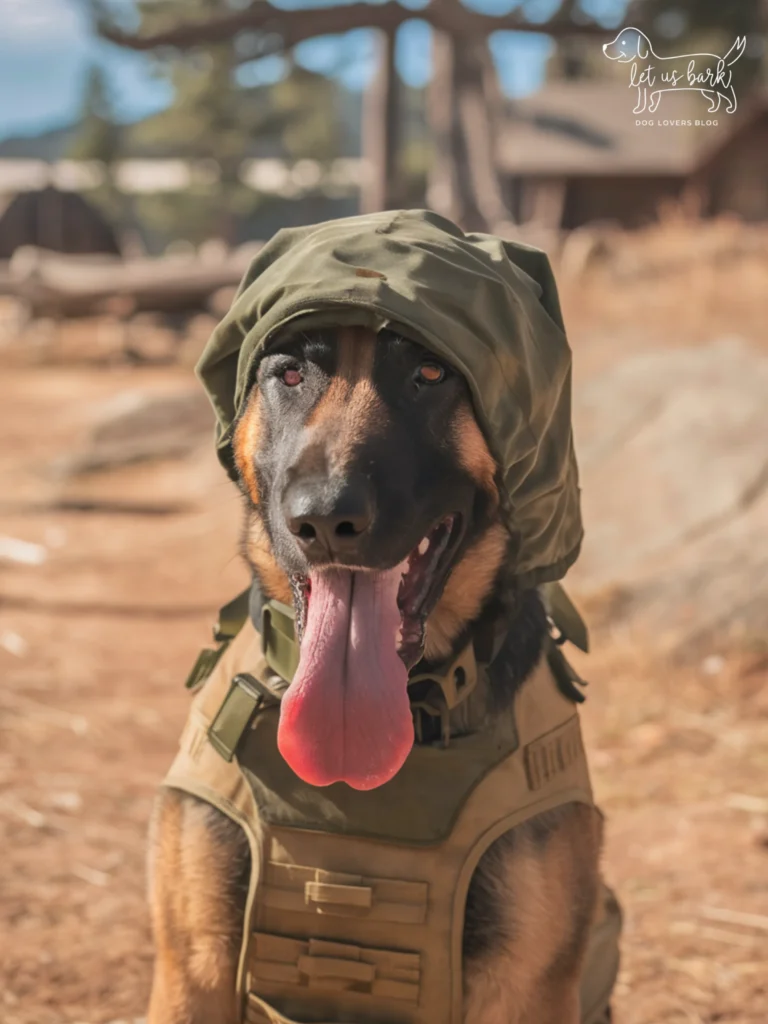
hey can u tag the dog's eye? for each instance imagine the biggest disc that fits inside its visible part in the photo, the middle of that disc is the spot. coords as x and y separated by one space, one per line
430 373
291 377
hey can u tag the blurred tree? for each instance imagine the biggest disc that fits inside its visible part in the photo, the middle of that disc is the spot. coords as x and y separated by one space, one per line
305 108
463 110
577 58
100 138
215 122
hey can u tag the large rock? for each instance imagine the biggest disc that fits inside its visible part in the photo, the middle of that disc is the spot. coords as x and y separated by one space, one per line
673 450
136 426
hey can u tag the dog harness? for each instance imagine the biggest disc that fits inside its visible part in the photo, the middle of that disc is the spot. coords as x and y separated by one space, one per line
355 909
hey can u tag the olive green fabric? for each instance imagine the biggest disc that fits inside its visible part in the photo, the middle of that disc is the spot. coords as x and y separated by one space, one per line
487 306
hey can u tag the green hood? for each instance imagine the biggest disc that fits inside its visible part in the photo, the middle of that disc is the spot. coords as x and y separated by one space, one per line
487 306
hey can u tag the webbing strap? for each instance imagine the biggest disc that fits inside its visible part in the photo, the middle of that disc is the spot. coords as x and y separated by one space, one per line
232 617
206 662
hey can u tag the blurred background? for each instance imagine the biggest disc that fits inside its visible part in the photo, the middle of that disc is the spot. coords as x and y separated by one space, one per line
147 148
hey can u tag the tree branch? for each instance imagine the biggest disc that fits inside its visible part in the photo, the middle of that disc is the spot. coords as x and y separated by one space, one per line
295 26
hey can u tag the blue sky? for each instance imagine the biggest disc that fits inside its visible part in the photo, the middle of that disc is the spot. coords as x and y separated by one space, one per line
47 46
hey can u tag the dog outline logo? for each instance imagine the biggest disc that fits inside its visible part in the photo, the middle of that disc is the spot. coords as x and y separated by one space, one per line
707 73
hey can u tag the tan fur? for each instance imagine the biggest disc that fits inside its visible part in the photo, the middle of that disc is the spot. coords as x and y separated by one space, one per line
350 409
197 913
465 591
473 576
546 890
258 551
246 442
472 450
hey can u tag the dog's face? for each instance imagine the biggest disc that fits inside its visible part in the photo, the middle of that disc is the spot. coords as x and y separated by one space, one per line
374 506
629 44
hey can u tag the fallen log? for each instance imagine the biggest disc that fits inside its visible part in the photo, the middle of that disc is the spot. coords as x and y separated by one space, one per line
59 286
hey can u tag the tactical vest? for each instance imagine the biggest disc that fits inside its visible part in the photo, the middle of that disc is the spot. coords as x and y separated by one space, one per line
355 909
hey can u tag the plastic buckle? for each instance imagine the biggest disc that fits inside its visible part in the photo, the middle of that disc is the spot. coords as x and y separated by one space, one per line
456 681
246 697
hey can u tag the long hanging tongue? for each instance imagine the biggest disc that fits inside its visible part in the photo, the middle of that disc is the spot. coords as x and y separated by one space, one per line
346 715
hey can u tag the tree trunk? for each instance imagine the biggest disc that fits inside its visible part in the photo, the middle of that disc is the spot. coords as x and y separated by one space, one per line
464 182
380 135
443 184
486 206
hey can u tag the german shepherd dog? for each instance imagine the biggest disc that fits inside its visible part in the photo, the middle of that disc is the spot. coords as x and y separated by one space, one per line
358 453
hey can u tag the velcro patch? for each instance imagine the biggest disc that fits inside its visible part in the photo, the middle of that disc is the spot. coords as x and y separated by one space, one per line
553 753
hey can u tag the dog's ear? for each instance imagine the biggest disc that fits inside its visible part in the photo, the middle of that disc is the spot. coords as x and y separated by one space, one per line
643 41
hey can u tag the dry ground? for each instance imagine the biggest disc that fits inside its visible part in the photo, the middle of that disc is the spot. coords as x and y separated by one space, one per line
95 644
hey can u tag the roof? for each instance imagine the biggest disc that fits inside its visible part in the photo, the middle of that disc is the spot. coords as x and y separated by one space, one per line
589 128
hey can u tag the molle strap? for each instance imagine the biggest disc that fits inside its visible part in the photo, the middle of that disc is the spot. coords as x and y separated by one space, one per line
315 967
315 892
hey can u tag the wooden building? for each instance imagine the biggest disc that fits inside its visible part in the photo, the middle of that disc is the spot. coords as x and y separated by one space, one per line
55 220
575 153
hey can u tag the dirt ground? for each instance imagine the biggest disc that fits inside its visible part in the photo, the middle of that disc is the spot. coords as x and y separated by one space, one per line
96 641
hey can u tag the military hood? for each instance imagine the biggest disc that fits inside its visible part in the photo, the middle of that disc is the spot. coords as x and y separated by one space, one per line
487 306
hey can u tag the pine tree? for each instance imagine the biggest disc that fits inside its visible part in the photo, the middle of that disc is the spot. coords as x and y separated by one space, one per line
215 120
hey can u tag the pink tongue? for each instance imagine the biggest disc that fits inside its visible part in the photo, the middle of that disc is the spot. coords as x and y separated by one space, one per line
346 715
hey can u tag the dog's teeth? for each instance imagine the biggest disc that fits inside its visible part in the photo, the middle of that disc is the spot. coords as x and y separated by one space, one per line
424 546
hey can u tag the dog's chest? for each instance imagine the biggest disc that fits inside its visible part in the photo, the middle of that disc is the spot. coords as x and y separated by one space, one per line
356 900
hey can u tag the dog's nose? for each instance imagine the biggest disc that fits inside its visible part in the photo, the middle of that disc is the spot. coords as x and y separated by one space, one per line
329 521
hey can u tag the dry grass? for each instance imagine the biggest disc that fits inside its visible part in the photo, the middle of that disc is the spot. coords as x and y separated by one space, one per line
678 282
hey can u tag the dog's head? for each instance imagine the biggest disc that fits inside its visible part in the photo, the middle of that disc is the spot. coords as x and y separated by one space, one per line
373 505
630 44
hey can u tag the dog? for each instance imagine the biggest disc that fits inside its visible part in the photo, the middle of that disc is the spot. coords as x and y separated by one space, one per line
706 73
350 447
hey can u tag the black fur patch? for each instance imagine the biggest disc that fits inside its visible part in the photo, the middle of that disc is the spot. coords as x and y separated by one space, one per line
483 925
521 650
